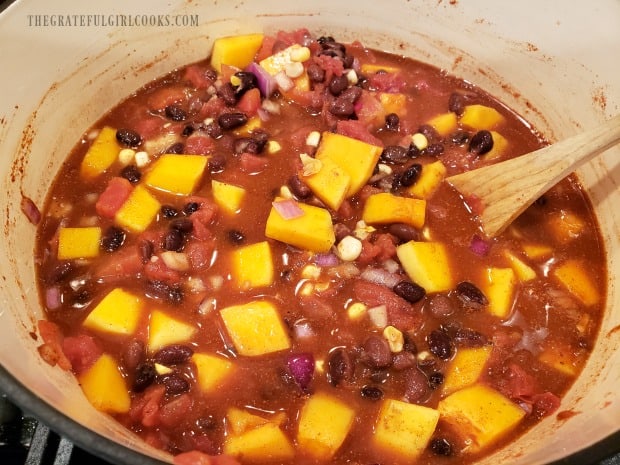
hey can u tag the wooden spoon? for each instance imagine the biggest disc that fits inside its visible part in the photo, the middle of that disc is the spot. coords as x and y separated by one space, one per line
507 188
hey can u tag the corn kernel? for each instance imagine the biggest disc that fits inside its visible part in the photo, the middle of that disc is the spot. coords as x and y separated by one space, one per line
310 165
378 316
319 366
356 310
311 272
385 169
208 121
175 260
352 78
235 80
349 248
294 70
300 54
306 289
419 140
270 106
126 156
142 159
362 230
162 369
313 138
273 147
395 338
322 286
286 193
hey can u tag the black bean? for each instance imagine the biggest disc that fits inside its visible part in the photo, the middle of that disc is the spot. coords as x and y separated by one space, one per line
434 150
481 142
470 295
460 137
413 151
173 354
213 130
144 376
146 249
217 163
131 173
456 103
371 392
188 130
177 148
435 379
183 225
175 384
409 344
227 93
392 122
466 337
376 351
315 73
112 239
236 237
341 107
254 144
60 272
299 188
232 120
416 385
410 176
173 240
341 231
81 298
160 290
338 84
352 94
404 360
190 207
347 61
429 132
409 291
339 366
439 344
394 154
128 138
175 113
441 306
168 211
134 354
404 232
441 446
247 81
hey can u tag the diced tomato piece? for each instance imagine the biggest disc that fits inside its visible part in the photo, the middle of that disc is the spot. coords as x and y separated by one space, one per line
145 408
113 197
197 76
148 126
545 404
227 72
332 66
387 245
199 145
520 384
369 112
82 351
266 48
212 107
400 313
252 163
369 253
357 130
173 412
200 253
387 82
249 102
164 96
156 270
123 263
52 349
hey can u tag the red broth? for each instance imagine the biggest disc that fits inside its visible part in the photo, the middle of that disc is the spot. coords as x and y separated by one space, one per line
261 262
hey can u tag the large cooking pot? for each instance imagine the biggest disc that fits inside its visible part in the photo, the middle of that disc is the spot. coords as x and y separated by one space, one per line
556 63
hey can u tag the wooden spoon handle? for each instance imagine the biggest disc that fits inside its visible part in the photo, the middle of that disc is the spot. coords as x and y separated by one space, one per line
507 188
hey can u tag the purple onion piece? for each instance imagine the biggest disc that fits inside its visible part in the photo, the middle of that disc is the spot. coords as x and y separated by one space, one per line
266 83
326 259
301 368
53 298
479 246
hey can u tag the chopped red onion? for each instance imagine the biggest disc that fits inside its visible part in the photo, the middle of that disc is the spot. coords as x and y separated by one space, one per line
301 368
266 83
30 210
380 276
288 209
263 114
302 329
479 246
326 259
53 298
284 82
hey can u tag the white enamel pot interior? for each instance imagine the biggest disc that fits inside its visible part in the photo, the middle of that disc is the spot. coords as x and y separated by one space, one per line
557 64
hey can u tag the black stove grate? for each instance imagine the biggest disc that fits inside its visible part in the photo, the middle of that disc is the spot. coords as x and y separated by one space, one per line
25 441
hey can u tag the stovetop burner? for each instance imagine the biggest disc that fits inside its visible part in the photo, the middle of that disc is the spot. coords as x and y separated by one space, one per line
25 441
